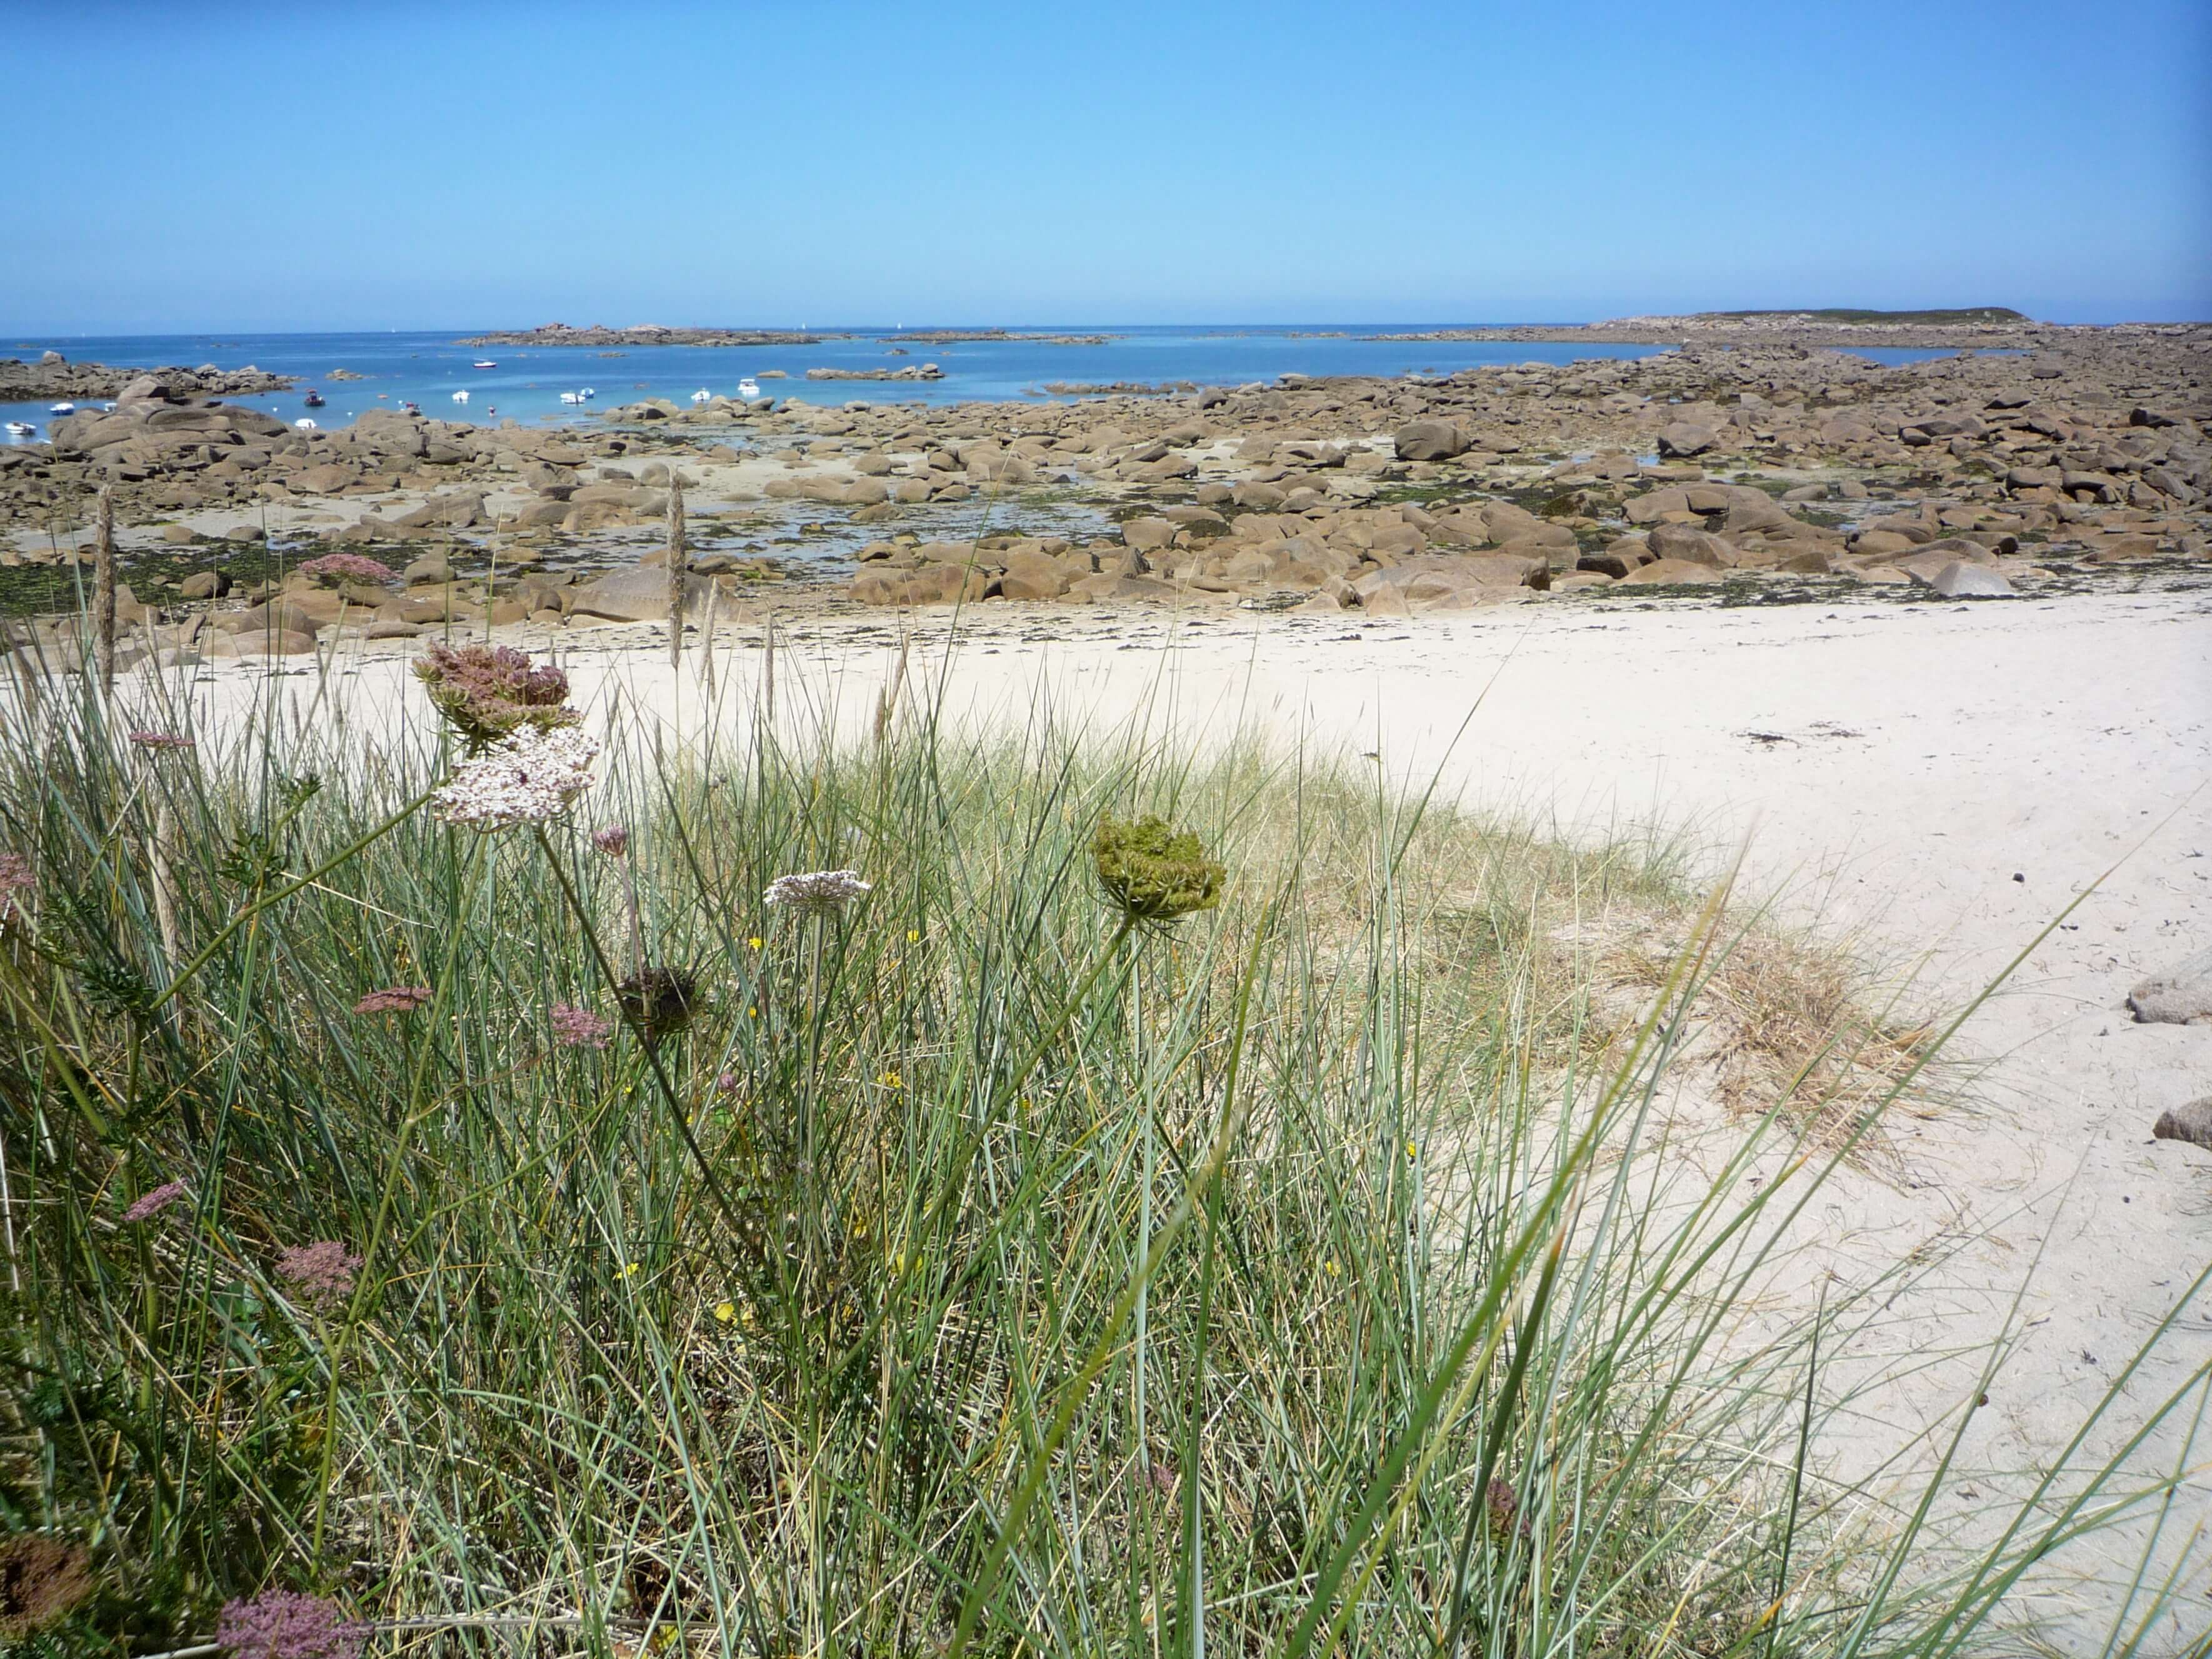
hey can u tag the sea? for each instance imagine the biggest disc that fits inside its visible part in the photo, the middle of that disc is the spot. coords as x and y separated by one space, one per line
427 367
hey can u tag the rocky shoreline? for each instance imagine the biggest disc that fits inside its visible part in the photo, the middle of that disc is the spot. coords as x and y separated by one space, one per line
1804 331
1718 470
54 376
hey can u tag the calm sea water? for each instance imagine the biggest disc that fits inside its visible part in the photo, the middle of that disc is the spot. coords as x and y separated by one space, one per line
427 367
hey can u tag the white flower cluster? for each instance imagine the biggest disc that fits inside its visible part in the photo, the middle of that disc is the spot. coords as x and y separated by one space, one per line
819 892
528 777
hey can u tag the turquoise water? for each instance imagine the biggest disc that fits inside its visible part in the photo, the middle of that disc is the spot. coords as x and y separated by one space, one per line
427 368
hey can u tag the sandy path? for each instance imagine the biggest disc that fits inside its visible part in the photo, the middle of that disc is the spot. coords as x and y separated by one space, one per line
1940 780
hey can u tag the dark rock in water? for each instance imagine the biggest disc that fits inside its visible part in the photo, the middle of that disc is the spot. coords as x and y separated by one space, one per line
2183 997
2192 1123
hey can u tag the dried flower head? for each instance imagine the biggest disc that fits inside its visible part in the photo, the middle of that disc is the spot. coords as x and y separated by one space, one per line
42 1580
1154 874
16 881
529 776
579 1028
729 1083
151 1203
284 1624
347 566
613 840
319 1274
394 999
818 892
487 691
659 1001
161 740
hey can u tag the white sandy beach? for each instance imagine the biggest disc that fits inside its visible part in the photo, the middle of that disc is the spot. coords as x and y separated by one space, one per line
1935 782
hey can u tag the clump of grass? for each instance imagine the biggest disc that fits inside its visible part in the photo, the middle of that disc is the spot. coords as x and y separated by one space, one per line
957 1265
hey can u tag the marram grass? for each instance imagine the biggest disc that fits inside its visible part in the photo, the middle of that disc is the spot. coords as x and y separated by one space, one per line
1168 1208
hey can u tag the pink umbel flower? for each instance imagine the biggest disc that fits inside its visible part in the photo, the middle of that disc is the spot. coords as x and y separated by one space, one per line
393 999
17 884
151 1203
284 1624
347 566
320 1275
729 1083
487 691
613 840
529 776
579 1028
161 740
818 892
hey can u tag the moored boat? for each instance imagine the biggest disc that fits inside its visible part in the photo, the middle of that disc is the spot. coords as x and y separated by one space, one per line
702 396
313 399
303 424
483 363
21 429
62 409
462 396
749 387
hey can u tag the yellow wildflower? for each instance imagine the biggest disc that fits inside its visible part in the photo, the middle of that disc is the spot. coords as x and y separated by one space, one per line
726 1312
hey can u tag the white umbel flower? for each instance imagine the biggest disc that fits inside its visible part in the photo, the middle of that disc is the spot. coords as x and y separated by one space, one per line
529 776
819 892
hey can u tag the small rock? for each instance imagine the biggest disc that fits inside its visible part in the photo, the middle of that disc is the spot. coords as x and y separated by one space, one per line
2181 998
206 585
1962 581
2192 1123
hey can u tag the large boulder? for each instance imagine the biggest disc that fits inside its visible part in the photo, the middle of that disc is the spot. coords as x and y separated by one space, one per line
635 596
1679 541
1960 580
1685 438
1429 441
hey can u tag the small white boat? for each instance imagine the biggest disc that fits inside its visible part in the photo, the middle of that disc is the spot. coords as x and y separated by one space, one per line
483 363
572 396
462 396
62 409
303 424
749 388
21 429
702 396
588 393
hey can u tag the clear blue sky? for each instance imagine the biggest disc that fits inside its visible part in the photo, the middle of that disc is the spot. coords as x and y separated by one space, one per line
186 166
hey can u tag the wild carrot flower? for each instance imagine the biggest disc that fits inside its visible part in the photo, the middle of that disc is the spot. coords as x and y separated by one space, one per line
579 1028
319 1274
41 1580
151 1203
393 999
487 691
729 1083
613 840
284 1624
818 892
347 566
161 740
529 776
1152 874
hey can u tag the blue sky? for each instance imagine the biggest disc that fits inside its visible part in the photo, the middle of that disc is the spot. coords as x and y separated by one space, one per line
192 166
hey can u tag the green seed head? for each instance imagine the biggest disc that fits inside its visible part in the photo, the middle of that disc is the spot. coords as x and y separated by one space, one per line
1155 874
